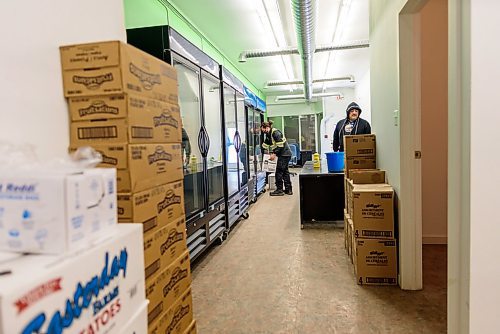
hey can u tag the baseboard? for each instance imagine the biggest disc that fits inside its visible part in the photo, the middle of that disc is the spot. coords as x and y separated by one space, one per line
434 240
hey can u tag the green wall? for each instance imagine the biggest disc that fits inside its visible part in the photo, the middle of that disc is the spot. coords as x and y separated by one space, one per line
147 13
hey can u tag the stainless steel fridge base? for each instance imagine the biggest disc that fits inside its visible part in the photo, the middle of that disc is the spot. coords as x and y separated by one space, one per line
205 229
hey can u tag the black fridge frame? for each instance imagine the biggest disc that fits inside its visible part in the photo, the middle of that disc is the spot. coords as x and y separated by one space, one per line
168 45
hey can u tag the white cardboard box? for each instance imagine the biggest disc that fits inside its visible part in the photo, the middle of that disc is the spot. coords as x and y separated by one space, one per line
51 212
95 290
139 322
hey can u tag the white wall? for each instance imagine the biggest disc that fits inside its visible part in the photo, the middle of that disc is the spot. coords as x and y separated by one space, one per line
384 82
33 109
484 175
362 95
334 112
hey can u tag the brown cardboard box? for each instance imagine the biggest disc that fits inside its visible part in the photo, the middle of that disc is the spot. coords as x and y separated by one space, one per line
359 146
114 67
373 211
165 202
349 239
164 288
359 163
352 240
349 197
192 328
367 176
143 121
163 245
375 262
97 107
345 227
142 166
176 319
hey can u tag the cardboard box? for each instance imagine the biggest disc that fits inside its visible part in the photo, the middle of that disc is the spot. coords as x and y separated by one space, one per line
352 240
164 288
165 202
192 328
143 121
142 166
375 262
359 163
85 108
177 319
163 246
35 290
373 211
349 240
359 146
367 176
114 67
345 228
138 324
51 212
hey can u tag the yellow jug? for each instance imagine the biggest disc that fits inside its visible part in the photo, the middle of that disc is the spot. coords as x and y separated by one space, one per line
194 163
316 161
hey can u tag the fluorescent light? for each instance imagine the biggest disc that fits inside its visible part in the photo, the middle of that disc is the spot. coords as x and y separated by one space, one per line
269 14
339 31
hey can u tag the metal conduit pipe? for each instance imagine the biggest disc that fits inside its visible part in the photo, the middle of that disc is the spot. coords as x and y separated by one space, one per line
266 53
294 51
347 46
273 83
301 96
304 15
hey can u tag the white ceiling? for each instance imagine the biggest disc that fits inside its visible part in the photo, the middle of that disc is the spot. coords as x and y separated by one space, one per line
235 26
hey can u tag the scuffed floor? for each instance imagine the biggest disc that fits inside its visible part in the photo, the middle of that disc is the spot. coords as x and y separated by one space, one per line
270 276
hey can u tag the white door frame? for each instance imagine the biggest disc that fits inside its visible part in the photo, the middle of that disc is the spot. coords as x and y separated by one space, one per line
459 27
410 210
459 134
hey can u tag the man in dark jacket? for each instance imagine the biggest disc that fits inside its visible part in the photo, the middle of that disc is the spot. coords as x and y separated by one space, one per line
351 125
279 148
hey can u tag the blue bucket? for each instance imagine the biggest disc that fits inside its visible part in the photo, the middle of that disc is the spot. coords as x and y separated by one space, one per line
335 161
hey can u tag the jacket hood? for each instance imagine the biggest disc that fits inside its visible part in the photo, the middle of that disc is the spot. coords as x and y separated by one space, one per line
352 105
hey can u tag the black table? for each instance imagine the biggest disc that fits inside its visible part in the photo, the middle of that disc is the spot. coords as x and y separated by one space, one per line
321 195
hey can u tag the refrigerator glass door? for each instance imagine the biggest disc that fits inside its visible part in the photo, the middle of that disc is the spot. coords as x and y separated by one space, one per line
258 143
189 103
231 140
242 130
213 124
251 141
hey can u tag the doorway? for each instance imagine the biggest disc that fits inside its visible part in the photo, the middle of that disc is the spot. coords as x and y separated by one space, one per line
424 146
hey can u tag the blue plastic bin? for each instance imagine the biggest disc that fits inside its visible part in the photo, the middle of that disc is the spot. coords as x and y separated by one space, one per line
335 161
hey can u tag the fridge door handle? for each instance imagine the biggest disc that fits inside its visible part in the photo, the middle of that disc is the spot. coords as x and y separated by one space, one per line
206 142
237 142
201 144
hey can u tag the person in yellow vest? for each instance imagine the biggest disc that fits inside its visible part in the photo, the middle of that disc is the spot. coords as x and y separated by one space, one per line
278 147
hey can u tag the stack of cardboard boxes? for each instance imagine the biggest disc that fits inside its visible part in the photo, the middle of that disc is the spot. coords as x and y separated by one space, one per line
369 214
124 103
65 263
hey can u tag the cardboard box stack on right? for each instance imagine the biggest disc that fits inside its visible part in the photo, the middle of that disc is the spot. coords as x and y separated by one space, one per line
369 215
124 103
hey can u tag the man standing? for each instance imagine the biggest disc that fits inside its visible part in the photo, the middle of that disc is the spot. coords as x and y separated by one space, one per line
351 125
278 147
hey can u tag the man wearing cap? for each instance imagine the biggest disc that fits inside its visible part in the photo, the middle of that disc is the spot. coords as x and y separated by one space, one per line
351 125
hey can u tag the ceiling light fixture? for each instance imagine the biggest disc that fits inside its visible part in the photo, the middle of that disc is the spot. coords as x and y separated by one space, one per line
345 7
269 14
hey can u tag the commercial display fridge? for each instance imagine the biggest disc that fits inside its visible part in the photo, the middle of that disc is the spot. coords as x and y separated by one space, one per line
257 179
236 147
202 144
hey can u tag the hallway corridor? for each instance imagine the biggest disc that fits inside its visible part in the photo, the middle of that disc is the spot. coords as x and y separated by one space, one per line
270 276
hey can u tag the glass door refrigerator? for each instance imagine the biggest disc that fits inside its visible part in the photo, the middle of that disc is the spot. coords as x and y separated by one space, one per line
257 179
236 148
202 142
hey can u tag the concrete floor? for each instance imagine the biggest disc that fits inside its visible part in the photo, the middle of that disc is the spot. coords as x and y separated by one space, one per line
270 276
